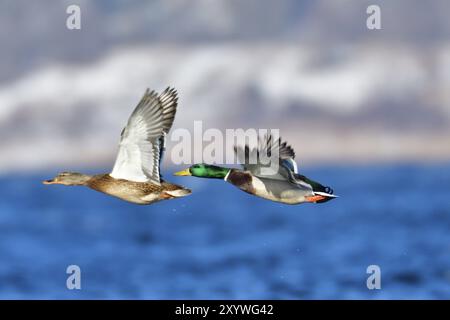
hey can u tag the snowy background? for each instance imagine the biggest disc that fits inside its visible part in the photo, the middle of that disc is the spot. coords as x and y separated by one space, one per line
368 113
336 90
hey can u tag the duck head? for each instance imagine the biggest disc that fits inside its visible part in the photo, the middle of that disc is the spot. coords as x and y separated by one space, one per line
69 179
204 171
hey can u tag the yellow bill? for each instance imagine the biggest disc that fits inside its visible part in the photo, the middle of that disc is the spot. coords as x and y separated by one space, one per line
184 172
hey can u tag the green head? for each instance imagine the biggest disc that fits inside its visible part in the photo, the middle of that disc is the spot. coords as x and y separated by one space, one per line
204 171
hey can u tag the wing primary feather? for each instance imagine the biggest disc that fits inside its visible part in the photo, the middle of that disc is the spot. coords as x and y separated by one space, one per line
269 147
143 139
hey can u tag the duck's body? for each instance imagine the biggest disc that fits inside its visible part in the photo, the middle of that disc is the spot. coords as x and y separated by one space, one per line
136 192
270 189
136 174
282 184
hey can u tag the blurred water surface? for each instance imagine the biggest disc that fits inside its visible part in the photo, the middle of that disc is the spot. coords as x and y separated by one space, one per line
223 243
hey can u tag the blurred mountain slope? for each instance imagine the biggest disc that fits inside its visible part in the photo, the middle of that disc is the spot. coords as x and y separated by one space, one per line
40 36
337 91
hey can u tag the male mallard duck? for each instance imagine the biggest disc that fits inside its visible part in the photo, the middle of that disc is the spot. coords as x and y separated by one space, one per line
285 185
136 177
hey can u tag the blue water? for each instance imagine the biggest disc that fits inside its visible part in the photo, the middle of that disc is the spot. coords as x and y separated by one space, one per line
222 243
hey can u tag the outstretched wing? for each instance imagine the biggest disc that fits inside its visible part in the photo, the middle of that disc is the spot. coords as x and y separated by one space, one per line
250 159
142 140
169 103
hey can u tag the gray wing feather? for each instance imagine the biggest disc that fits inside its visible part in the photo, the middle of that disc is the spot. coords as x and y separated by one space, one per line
169 103
250 158
142 139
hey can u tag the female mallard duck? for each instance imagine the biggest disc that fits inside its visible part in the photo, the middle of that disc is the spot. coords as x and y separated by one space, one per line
136 177
284 185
